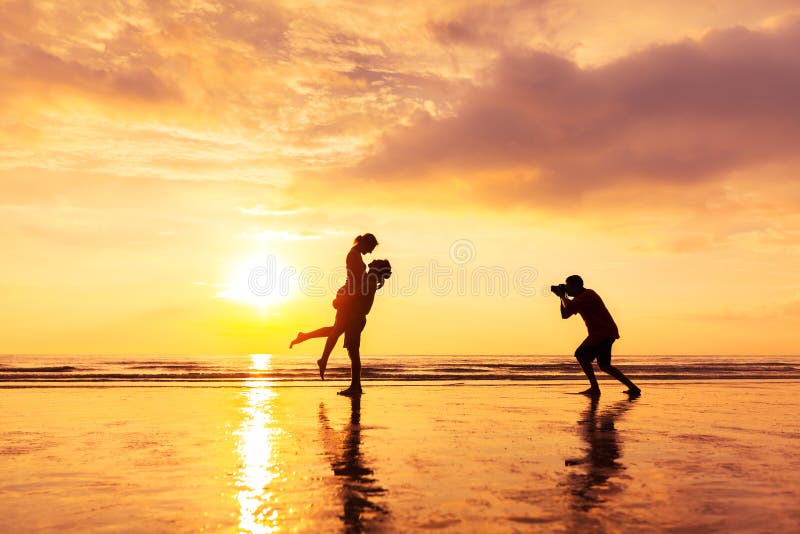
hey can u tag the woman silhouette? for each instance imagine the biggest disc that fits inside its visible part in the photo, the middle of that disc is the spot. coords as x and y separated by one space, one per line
353 288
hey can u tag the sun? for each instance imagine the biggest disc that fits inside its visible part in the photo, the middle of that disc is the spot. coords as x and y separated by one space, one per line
263 282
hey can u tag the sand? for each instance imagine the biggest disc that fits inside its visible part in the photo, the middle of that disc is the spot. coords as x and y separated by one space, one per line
478 457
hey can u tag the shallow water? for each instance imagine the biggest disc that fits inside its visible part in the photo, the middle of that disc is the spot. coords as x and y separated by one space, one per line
287 368
254 455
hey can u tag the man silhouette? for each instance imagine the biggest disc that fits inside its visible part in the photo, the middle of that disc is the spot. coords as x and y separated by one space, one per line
602 332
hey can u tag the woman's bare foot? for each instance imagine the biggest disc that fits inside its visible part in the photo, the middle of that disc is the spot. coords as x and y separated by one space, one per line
299 339
321 364
633 392
350 392
592 392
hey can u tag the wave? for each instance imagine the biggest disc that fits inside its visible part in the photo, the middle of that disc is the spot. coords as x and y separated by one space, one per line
57 369
415 370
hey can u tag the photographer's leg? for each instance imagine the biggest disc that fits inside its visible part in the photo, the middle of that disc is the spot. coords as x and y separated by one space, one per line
616 373
604 362
585 357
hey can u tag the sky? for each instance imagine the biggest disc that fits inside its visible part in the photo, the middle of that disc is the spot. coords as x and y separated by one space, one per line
187 177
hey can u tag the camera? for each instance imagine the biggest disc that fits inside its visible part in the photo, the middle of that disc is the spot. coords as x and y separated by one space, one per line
560 288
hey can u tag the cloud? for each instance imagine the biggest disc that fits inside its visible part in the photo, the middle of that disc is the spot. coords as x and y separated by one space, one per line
490 24
540 127
25 62
226 89
196 58
262 25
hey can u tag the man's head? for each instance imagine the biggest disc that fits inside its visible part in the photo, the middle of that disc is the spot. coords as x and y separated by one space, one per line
574 285
381 269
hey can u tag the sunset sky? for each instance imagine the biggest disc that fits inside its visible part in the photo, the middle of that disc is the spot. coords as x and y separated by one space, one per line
153 153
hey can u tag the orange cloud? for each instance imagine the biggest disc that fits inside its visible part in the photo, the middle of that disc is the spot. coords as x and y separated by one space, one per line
678 114
30 63
493 24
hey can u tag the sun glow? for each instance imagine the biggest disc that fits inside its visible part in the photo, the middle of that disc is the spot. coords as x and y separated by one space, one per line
262 282
261 362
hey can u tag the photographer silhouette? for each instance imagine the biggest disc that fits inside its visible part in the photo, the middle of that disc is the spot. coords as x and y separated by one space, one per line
602 331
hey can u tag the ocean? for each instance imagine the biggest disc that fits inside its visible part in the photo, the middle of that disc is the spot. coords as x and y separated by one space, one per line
233 370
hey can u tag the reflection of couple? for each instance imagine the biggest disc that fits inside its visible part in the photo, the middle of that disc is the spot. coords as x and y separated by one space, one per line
358 489
353 302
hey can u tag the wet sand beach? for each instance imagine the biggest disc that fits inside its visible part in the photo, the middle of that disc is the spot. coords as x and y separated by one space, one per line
491 456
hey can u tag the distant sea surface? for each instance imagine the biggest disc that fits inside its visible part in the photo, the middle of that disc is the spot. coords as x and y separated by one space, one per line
41 370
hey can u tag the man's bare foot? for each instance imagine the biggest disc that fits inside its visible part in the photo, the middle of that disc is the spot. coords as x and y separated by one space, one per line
592 392
321 366
350 392
299 339
633 392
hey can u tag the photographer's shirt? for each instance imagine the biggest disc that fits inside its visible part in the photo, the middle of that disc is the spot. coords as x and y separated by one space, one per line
598 320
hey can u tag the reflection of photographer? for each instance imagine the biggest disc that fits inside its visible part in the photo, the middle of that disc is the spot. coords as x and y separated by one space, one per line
602 331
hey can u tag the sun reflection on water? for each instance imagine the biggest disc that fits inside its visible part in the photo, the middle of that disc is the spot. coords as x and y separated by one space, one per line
258 511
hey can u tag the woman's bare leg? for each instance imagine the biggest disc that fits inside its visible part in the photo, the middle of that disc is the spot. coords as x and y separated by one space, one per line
325 331
333 336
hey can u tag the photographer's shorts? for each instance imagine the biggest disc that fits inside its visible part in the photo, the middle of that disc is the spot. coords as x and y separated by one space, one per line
352 332
600 350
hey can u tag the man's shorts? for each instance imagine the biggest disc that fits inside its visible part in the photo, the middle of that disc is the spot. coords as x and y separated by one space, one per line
600 350
352 332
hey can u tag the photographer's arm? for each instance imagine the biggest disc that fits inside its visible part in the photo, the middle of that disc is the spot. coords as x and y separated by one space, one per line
564 304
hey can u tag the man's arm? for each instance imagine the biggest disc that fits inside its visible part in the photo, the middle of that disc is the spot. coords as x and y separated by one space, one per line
564 303
570 307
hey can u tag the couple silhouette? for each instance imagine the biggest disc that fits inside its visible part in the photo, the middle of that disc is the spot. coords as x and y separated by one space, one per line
354 300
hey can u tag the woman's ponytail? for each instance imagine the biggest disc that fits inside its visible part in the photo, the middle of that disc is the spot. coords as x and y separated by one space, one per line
368 239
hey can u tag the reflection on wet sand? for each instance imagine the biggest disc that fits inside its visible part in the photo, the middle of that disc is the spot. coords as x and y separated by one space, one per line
592 479
256 446
358 489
